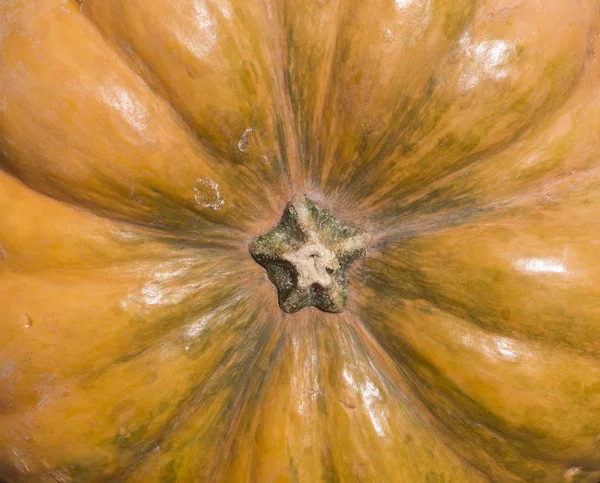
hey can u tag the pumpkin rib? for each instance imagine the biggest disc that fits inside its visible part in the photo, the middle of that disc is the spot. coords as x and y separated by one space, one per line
483 438
533 185
217 289
143 230
201 376
504 144
250 396
314 391
438 190
42 233
386 321
165 234
131 57
404 380
402 375
291 151
95 13
464 166
169 197
329 161
321 91
532 131
522 300
321 170
272 336
383 191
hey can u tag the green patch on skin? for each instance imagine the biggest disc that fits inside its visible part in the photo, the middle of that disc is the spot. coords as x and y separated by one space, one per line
455 23
151 377
94 468
130 437
168 474
330 472
522 104
163 406
432 477
293 469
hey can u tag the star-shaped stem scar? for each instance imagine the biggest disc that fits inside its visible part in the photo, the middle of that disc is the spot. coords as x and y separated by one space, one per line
307 256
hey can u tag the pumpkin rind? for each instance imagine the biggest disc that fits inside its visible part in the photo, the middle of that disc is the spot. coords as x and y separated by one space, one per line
144 143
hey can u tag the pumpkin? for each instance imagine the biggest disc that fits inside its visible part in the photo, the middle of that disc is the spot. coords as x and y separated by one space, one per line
419 180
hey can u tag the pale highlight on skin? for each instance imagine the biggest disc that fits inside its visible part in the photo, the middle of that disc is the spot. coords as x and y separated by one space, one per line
144 143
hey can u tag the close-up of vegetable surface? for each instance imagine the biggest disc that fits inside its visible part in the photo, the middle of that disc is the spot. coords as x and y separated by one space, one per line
299 241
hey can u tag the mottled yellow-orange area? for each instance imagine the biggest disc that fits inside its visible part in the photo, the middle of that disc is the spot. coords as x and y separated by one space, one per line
144 144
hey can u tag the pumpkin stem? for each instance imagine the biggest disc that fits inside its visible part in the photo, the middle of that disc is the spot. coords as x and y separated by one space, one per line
307 256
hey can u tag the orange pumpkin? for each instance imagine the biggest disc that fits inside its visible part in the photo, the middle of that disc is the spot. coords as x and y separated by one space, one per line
146 145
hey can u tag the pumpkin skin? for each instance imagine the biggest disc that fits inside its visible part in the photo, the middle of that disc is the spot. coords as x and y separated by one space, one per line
144 143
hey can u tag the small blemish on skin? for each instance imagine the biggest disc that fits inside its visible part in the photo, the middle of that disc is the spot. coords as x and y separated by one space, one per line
27 321
43 400
244 142
348 404
207 194
2 252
